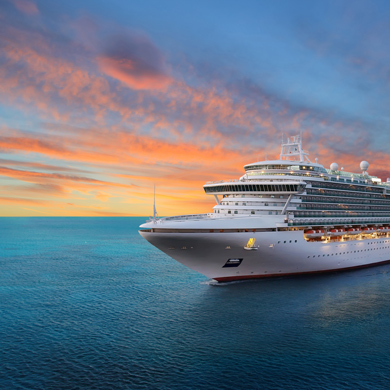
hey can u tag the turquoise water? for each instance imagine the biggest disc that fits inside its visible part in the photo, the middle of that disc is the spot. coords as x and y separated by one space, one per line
86 303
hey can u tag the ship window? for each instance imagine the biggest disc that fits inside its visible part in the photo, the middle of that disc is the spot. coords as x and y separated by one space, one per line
229 212
235 212
252 212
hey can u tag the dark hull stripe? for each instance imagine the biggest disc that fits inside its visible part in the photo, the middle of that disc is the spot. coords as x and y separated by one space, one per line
243 277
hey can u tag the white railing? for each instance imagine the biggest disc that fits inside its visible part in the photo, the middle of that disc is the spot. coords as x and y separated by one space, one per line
187 217
223 181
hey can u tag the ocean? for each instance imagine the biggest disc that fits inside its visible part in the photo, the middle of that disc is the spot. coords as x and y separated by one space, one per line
86 303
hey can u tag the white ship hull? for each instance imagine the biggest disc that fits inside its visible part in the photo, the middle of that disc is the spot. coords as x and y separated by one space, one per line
278 254
283 217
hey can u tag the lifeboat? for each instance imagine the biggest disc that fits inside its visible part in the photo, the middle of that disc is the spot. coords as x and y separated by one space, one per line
353 231
368 230
336 232
313 233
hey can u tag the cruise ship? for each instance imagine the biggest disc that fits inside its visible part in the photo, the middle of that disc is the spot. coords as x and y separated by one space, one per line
282 217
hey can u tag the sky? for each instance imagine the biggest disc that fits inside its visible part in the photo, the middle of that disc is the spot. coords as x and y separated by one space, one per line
100 101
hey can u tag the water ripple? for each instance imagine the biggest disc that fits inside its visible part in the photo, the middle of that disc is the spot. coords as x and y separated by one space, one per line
85 303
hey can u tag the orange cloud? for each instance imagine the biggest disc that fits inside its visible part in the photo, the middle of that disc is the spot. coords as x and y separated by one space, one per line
136 61
101 146
161 130
127 71
22 201
58 87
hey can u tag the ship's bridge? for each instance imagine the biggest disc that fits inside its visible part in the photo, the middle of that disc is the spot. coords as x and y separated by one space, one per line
293 160
276 167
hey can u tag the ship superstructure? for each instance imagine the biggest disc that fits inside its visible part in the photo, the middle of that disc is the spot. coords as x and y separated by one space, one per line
282 217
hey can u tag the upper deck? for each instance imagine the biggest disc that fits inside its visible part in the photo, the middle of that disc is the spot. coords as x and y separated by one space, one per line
289 174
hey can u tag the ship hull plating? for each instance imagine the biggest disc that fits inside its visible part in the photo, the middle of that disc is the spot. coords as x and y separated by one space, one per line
221 256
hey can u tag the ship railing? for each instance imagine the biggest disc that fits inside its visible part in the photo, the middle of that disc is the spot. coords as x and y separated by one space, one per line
258 181
356 189
224 181
337 221
187 217
288 173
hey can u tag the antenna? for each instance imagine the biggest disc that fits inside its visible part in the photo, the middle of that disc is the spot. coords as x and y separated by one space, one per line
293 148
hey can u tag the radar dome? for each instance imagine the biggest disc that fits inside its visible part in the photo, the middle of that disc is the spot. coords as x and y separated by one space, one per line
334 166
364 166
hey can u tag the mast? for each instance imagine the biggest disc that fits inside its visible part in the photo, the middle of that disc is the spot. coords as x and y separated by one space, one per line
293 148
154 204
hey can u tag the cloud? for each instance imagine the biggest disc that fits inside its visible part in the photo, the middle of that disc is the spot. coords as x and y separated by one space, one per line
127 121
37 165
33 176
135 61
98 145
26 6
22 201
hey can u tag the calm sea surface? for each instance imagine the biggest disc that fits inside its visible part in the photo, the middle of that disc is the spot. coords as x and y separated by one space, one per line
86 303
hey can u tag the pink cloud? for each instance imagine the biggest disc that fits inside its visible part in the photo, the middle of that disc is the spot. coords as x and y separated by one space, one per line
135 61
26 6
